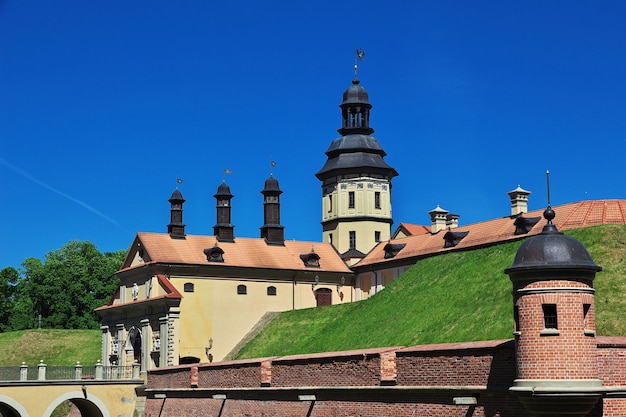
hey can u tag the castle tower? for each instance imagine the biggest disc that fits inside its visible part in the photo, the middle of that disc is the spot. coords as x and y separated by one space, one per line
356 182
176 228
224 230
553 297
272 231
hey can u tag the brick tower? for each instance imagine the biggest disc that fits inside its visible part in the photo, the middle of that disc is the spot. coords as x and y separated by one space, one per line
555 336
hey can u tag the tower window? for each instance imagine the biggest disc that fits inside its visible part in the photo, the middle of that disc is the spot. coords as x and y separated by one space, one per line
352 234
549 316
271 290
376 236
330 203
242 290
330 238
351 199
516 318
188 287
377 199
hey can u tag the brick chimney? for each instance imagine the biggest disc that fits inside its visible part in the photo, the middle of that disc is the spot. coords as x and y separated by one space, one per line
176 228
224 230
519 201
452 221
272 231
438 217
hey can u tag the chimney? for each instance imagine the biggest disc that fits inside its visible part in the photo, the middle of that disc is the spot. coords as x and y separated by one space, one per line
176 228
224 230
438 218
519 201
272 231
452 221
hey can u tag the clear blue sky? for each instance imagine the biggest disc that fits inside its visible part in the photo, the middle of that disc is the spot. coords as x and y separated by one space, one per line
104 104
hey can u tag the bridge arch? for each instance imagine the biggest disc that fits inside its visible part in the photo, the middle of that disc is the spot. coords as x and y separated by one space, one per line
11 408
88 404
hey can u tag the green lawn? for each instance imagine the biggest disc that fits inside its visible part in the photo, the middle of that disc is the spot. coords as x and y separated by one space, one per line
55 347
456 297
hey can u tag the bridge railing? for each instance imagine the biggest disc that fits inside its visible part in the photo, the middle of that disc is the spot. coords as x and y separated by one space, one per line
43 372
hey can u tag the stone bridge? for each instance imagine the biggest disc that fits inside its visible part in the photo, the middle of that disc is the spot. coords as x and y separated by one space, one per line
105 393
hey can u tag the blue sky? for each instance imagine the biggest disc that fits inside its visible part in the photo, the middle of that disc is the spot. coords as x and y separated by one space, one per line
104 104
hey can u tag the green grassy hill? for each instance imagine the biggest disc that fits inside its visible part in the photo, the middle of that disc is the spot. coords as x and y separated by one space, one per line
55 347
456 297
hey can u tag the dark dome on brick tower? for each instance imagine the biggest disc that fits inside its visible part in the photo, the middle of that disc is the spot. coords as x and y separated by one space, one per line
356 181
556 349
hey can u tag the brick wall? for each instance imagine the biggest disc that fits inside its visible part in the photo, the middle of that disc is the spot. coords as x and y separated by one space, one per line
420 381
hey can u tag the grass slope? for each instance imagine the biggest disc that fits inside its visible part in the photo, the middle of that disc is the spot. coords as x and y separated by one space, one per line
55 347
456 297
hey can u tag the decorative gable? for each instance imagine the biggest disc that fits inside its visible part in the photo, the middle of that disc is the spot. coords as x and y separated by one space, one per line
523 225
392 249
453 238
214 254
311 259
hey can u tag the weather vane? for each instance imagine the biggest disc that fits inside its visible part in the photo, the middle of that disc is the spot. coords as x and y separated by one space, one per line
272 164
178 181
226 172
360 54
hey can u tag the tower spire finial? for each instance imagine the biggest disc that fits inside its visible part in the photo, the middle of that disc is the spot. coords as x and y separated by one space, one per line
360 54
548 213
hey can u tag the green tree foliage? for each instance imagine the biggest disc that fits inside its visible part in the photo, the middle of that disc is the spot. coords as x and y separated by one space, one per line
8 281
65 288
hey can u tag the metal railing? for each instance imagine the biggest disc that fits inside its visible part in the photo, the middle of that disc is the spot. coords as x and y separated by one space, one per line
43 372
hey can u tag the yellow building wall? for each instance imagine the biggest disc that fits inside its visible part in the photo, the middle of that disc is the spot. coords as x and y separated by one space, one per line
335 206
215 311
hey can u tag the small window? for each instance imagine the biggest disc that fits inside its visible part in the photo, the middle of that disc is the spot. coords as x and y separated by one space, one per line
188 287
549 316
271 290
242 290
376 236
516 318
330 238
352 234
351 199
330 203
586 308
377 199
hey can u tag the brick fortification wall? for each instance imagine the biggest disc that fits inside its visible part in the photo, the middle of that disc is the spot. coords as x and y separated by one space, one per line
430 380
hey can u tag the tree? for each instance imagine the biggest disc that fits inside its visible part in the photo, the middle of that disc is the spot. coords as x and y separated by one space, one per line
65 288
8 281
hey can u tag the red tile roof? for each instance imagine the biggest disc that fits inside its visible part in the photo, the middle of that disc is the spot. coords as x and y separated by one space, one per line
413 229
244 253
568 216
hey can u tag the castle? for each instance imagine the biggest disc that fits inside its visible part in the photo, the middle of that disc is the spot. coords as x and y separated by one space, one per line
188 299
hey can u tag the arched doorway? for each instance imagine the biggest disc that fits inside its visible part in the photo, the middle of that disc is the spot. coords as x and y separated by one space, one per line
324 297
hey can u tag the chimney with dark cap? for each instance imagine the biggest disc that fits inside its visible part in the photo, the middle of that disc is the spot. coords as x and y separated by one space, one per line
272 231
176 228
224 230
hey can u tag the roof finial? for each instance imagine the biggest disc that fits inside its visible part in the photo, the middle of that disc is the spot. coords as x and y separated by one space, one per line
226 172
548 213
359 56
178 181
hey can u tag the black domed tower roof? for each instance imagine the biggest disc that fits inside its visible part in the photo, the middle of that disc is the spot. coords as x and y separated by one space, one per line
552 250
356 151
